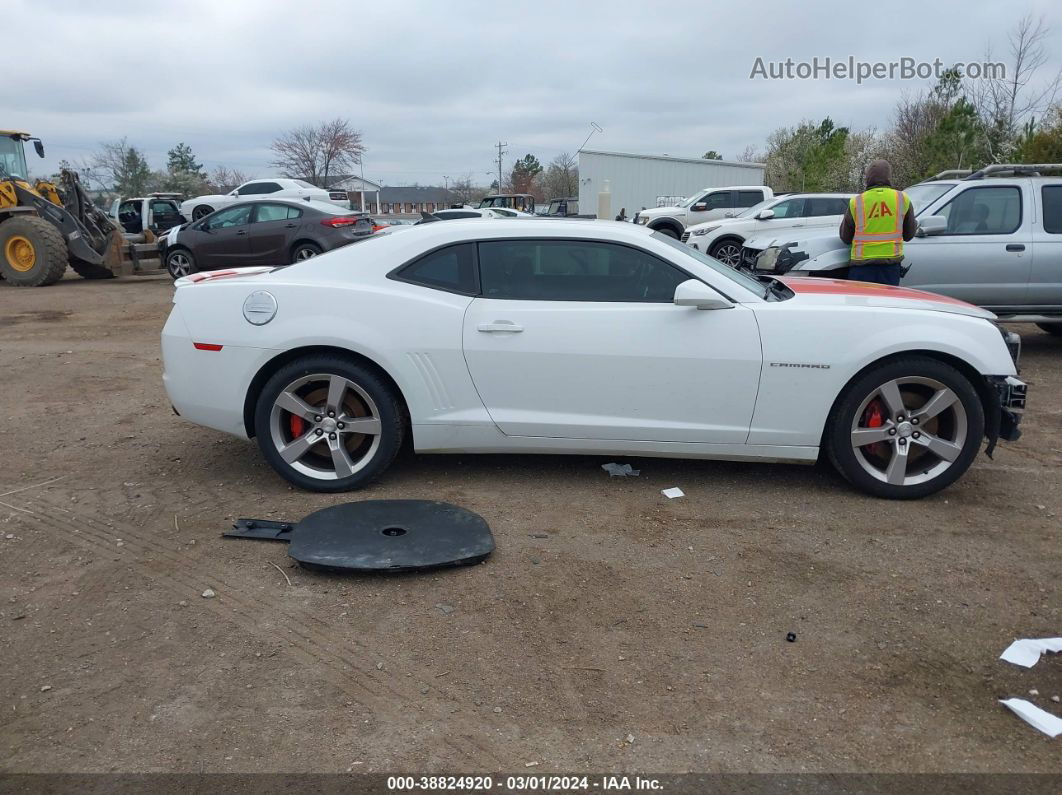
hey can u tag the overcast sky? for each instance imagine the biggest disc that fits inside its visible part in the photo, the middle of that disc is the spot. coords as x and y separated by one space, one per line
434 85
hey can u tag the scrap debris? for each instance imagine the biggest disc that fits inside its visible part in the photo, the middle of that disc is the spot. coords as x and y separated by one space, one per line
1026 652
620 470
673 492
1049 724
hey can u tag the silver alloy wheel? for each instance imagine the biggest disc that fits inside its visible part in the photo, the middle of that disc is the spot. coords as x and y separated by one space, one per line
333 440
304 253
179 264
728 254
922 429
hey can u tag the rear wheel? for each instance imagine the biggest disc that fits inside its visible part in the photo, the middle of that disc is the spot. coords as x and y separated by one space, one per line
201 211
32 252
180 262
1054 329
906 429
326 423
305 251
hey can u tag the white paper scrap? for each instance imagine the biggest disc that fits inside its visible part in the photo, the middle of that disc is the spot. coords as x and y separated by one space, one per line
1026 652
673 492
1049 724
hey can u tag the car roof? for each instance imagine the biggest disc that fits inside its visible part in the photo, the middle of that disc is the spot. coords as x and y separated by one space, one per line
315 204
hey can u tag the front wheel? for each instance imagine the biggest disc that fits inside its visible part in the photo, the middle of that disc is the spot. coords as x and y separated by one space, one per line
667 230
728 252
905 429
180 262
326 423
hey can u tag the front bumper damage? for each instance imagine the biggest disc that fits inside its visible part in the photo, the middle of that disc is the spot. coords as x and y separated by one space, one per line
1006 405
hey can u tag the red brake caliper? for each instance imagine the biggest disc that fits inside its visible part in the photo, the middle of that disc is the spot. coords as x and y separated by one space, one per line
874 417
297 425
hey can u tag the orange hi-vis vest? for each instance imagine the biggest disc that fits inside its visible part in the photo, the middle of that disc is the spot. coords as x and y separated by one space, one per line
878 214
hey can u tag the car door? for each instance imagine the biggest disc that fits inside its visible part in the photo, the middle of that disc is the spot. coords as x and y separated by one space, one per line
1045 285
984 255
270 233
581 339
824 210
223 241
712 205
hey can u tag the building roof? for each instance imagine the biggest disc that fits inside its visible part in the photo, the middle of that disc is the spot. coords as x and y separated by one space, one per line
698 160
335 180
414 193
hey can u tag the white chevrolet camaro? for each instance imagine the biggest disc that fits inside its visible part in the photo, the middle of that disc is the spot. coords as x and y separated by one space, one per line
587 337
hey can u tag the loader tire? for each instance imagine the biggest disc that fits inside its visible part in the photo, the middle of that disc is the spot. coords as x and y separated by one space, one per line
86 270
32 252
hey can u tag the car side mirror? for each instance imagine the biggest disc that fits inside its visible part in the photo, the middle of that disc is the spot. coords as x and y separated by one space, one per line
38 147
699 207
765 215
932 225
699 295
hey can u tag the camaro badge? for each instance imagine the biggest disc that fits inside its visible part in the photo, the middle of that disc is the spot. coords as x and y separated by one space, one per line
804 366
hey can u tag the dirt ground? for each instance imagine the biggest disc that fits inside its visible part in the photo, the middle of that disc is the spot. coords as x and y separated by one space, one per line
612 630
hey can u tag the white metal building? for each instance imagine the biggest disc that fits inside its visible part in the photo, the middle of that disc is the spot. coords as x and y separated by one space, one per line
638 181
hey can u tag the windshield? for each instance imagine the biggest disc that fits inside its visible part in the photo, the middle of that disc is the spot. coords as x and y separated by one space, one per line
926 193
12 158
690 200
748 282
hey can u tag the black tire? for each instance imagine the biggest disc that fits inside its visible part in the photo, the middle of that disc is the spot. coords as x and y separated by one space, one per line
32 252
727 251
201 211
304 251
87 270
314 470
842 423
180 262
667 230
1054 329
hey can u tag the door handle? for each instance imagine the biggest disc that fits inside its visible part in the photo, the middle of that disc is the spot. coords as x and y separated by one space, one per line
241 232
1015 247
290 226
500 325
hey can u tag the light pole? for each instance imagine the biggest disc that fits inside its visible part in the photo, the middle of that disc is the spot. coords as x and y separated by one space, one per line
446 191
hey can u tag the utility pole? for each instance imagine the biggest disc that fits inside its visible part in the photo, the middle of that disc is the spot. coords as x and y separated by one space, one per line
501 151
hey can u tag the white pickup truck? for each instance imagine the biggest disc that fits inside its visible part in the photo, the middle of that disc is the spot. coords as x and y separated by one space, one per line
707 204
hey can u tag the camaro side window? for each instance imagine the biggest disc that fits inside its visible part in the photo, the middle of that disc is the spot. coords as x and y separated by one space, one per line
451 268
570 270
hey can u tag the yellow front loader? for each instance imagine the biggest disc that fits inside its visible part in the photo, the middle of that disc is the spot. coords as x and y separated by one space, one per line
44 227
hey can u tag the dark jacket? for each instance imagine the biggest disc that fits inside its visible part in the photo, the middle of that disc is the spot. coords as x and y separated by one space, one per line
847 230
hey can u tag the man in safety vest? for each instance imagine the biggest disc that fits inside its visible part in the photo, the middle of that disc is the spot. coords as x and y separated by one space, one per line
876 225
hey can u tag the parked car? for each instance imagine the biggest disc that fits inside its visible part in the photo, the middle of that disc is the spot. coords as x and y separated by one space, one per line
470 212
275 188
563 207
635 345
723 238
993 239
145 217
706 204
263 232
524 202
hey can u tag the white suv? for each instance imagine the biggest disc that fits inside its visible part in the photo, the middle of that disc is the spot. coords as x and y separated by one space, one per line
707 204
724 238
275 188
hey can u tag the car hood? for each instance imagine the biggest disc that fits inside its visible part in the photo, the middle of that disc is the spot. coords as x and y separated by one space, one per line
208 198
823 247
656 212
839 292
717 222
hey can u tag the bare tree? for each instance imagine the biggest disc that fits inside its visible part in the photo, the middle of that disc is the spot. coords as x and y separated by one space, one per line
1006 102
561 177
751 155
464 190
316 152
222 180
